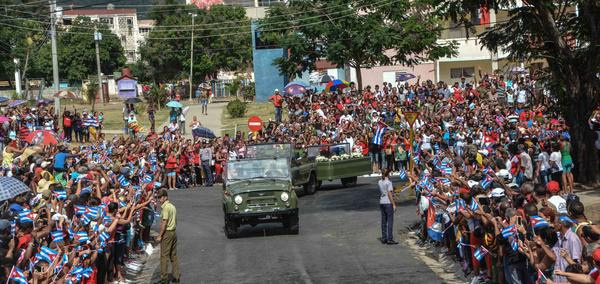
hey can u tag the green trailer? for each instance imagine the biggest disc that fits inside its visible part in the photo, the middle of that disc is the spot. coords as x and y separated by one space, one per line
316 164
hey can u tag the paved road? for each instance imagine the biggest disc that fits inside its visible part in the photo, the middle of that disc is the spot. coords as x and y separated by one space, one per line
337 242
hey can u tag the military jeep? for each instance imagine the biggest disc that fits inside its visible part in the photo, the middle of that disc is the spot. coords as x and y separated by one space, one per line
258 189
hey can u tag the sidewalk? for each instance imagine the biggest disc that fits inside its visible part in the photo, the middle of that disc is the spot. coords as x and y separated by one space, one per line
211 121
590 197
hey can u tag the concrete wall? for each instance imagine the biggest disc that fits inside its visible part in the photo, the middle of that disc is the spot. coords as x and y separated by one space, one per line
445 67
267 76
377 75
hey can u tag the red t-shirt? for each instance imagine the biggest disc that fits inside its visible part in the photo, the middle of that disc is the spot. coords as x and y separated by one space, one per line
276 100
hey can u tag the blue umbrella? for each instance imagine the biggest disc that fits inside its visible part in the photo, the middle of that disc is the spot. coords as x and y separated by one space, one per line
175 104
16 103
11 187
204 132
295 88
401 77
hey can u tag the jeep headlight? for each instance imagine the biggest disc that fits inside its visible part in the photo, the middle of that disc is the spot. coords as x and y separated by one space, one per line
238 199
285 196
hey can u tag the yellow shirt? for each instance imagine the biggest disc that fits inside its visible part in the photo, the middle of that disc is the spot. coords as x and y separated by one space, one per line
169 213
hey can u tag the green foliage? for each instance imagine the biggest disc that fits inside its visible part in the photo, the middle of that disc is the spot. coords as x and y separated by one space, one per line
226 47
356 32
77 52
249 91
21 36
157 95
236 108
234 87
91 92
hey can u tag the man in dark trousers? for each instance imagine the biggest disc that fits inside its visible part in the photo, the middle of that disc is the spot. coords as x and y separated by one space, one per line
168 239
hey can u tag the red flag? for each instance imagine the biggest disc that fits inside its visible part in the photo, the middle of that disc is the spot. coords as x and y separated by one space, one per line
484 14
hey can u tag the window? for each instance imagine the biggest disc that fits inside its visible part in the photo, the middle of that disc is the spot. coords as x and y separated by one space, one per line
466 72
144 30
123 38
107 20
129 22
67 22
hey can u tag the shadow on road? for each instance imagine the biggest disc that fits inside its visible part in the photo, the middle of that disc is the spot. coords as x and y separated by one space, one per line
262 230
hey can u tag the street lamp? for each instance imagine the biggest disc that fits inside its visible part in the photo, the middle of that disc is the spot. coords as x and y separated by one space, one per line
97 39
192 56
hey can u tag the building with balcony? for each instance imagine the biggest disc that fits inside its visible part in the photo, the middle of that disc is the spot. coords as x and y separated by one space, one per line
122 22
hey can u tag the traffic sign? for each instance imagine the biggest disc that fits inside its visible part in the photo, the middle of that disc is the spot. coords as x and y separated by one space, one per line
411 117
255 123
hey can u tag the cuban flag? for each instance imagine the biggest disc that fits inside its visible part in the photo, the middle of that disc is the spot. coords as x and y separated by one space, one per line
378 136
25 216
460 205
123 181
567 219
147 178
538 222
514 244
87 189
13 228
444 181
488 171
84 219
58 236
474 205
60 194
47 254
416 159
107 220
436 147
122 203
92 212
486 182
479 253
402 175
80 210
445 168
17 276
82 237
509 231
104 236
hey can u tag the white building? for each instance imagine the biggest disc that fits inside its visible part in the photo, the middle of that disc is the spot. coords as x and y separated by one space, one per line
122 22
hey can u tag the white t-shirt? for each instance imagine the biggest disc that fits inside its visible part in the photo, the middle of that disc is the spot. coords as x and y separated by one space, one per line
543 159
526 163
556 162
385 186
522 97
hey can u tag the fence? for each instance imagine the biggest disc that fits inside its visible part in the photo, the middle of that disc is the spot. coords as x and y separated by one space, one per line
220 90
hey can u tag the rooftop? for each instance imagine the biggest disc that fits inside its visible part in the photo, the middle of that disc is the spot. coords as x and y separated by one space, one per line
81 12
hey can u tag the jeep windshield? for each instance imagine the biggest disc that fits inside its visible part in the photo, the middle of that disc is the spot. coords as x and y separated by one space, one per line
258 168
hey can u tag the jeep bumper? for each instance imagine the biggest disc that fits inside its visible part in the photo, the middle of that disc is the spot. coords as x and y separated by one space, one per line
260 217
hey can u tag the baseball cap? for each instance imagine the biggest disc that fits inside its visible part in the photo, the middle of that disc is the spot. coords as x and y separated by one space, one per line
553 187
463 190
497 192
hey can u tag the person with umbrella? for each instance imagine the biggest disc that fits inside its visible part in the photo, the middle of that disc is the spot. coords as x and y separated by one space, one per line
277 100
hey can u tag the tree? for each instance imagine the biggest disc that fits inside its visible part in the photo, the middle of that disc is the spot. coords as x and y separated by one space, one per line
568 41
21 36
359 33
77 51
222 42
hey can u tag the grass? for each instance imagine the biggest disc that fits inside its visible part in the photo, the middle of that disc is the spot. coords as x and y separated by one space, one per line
113 113
262 110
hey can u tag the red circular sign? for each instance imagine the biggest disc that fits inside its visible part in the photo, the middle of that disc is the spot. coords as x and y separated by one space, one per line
255 123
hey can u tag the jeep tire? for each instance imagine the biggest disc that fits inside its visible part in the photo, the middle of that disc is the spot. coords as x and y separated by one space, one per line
311 186
231 228
291 224
349 181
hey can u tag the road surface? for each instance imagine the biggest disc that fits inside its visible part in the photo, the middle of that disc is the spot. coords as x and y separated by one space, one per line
337 241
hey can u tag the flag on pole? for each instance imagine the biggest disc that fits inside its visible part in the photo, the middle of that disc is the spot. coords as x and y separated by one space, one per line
17 276
479 253
538 222
58 236
509 231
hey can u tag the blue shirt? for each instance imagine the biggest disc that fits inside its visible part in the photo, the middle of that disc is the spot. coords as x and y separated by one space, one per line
59 160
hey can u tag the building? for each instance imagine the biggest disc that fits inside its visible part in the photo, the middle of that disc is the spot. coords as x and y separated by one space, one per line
122 22
144 29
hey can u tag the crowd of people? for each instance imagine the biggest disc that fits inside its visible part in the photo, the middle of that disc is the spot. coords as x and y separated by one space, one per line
493 177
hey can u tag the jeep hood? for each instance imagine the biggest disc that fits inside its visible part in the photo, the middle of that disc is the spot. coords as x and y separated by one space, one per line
258 185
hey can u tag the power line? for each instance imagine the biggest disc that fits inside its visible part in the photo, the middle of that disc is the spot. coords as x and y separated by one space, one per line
335 7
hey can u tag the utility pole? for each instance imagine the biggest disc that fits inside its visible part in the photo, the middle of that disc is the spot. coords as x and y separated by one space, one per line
54 57
17 77
192 57
97 39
